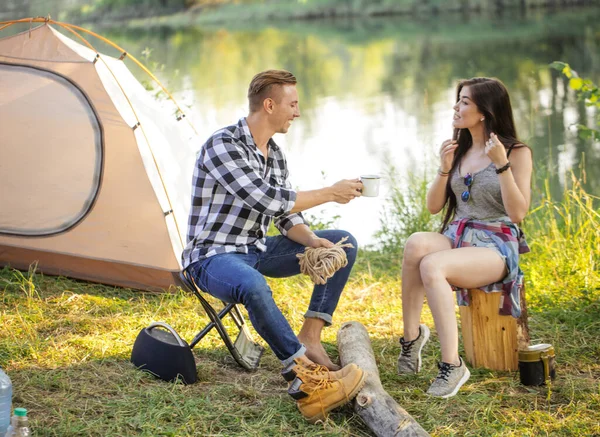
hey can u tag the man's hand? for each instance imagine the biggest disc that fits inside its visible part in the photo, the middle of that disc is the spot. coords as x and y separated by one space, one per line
340 192
346 190
319 242
303 235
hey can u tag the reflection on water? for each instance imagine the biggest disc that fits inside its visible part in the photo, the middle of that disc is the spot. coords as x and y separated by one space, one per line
379 93
15 9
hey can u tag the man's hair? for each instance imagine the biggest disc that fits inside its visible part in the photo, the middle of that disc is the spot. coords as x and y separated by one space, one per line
263 84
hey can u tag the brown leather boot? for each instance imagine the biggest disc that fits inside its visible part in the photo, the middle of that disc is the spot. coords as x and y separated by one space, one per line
317 394
303 364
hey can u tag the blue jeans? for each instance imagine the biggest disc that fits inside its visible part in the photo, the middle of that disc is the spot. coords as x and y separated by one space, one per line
238 278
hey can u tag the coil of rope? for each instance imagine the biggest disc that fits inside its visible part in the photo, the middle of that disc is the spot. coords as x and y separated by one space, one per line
321 263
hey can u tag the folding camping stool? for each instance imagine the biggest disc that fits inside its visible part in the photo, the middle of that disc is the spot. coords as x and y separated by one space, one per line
244 350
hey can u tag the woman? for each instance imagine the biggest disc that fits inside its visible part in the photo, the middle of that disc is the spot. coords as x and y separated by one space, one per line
484 185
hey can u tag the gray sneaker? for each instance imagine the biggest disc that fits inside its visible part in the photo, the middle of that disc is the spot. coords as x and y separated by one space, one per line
450 378
409 360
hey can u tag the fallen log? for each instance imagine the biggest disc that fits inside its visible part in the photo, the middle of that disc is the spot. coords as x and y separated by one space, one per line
373 404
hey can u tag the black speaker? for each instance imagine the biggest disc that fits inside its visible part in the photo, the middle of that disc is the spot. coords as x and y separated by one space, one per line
164 354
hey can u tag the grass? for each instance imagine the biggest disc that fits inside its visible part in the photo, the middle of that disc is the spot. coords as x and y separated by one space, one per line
66 345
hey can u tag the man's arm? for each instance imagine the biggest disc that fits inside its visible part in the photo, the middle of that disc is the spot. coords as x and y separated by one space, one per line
302 234
340 192
228 165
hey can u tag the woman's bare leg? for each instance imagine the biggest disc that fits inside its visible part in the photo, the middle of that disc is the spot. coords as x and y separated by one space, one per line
468 267
416 248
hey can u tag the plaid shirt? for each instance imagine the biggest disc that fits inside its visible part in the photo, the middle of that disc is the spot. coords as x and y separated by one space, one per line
236 194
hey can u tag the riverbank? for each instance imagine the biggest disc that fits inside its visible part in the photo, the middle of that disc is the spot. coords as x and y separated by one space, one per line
177 13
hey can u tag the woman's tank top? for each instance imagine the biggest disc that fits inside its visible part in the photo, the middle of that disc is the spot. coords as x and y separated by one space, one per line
485 202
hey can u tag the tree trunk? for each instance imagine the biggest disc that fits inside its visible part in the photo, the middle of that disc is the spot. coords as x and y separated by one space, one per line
377 409
490 339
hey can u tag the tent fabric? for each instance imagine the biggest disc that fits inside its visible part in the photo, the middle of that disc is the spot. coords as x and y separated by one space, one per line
94 173
64 196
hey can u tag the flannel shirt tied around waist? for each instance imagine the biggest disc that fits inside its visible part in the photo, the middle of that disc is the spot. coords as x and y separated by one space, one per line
506 238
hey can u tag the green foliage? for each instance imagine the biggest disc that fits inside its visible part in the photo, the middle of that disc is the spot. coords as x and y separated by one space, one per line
318 222
110 4
66 345
311 9
118 10
406 212
565 241
586 90
156 68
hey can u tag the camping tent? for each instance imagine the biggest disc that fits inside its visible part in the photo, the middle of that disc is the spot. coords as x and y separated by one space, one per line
94 175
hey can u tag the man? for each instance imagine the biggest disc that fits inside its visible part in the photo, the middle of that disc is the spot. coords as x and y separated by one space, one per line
240 185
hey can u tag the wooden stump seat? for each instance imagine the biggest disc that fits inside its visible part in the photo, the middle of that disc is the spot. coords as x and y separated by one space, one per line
490 340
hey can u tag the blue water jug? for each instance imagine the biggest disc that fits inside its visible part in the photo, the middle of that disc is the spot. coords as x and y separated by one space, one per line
5 401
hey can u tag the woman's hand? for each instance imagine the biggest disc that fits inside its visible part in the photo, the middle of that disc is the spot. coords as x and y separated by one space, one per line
447 152
496 151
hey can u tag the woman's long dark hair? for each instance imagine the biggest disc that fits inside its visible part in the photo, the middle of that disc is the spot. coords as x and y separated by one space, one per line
492 100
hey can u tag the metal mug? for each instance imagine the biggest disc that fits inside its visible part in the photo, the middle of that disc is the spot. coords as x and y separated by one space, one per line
370 185
537 364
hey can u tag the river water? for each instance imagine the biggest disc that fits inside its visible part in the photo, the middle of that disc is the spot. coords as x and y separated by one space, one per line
376 95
